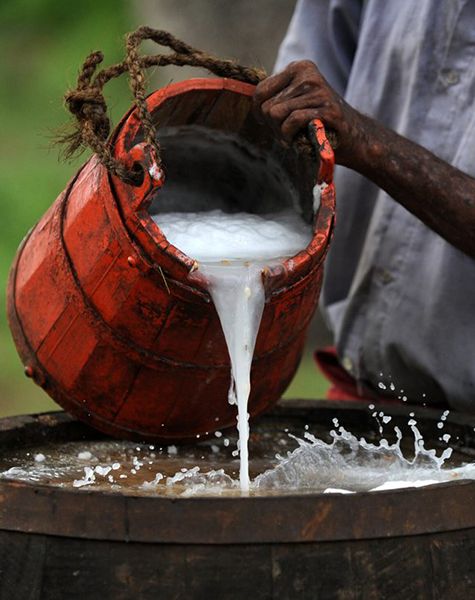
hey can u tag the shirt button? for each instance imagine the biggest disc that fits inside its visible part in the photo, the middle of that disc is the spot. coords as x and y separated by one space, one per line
384 275
451 77
347 363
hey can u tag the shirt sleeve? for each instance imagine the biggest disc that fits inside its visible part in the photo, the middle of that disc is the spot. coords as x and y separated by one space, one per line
326 32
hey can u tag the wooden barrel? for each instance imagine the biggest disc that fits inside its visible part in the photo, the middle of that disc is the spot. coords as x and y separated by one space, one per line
103 311
391 545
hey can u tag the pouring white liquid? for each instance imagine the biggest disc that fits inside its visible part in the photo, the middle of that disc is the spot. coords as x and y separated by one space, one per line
232 250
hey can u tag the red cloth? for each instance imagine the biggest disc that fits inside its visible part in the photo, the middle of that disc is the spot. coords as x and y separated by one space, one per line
343 385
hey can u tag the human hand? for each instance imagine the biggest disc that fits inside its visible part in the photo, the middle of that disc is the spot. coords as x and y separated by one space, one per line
289 100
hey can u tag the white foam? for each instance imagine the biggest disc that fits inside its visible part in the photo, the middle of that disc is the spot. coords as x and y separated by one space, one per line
154 483
214 235
317 195
400 484
88 479
102 470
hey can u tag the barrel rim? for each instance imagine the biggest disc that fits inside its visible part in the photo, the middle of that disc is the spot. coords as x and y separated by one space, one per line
315 517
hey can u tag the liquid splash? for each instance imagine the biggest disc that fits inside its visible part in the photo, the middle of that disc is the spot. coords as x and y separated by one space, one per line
346 464
355 465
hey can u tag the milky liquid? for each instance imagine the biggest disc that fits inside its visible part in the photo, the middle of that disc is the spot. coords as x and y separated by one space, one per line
232 250
315 462
349 464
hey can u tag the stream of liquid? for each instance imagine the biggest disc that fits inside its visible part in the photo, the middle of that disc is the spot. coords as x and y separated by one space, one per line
232 249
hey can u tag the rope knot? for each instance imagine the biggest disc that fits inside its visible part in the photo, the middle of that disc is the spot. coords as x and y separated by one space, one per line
89 105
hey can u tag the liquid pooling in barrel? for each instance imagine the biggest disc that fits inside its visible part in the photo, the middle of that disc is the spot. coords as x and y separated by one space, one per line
292 461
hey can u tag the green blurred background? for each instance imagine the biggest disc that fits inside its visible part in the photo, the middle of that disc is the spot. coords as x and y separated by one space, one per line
42 44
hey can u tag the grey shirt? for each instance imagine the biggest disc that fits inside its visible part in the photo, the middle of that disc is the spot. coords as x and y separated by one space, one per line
399 298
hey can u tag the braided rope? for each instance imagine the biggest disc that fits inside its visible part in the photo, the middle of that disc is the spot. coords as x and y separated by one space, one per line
87 103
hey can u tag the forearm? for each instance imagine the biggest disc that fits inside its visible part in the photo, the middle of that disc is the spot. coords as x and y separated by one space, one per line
437 193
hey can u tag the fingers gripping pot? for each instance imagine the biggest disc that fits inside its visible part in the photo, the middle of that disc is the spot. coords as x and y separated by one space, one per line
115 323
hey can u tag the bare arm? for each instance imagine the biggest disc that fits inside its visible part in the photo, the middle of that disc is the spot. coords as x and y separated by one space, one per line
437 193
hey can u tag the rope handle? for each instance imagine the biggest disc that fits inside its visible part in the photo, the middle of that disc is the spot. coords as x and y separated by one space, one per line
87 103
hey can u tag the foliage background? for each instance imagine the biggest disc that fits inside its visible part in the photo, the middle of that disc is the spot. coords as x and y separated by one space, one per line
42 44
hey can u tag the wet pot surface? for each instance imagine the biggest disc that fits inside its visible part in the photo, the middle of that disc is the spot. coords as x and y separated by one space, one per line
59 541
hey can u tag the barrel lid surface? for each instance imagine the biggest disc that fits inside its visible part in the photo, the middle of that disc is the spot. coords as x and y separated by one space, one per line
90 514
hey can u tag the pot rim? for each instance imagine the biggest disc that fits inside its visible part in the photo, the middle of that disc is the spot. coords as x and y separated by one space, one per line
133 202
